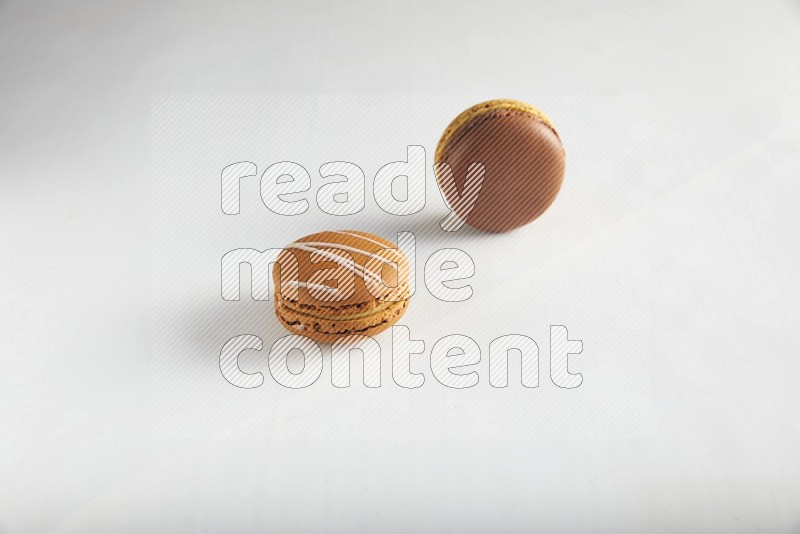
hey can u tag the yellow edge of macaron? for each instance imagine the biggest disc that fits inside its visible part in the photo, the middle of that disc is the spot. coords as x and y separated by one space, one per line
486 107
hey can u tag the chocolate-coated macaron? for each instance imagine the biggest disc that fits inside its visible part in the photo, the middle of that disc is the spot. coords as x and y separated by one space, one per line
342 283
523 159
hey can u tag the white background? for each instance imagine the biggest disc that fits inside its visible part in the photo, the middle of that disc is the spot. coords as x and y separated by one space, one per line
670 252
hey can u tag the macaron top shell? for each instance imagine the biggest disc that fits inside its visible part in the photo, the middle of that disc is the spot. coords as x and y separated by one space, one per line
523 158
344 271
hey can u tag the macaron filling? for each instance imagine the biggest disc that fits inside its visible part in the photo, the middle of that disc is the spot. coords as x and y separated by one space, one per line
351 317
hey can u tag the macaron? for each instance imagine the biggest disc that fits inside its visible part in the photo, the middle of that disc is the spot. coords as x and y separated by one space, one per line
340 283
523 162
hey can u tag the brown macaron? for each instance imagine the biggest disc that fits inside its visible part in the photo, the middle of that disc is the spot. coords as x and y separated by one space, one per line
523 160
340 283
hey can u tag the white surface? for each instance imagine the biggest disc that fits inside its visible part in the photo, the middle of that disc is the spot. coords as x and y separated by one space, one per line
671 256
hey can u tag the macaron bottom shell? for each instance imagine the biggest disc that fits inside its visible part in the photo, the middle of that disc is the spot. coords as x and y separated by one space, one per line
327 329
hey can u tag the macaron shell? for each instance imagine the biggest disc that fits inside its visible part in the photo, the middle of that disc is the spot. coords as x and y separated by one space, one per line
524 166
328 330
359 247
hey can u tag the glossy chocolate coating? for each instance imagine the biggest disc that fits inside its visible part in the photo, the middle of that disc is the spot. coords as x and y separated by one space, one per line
524 162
